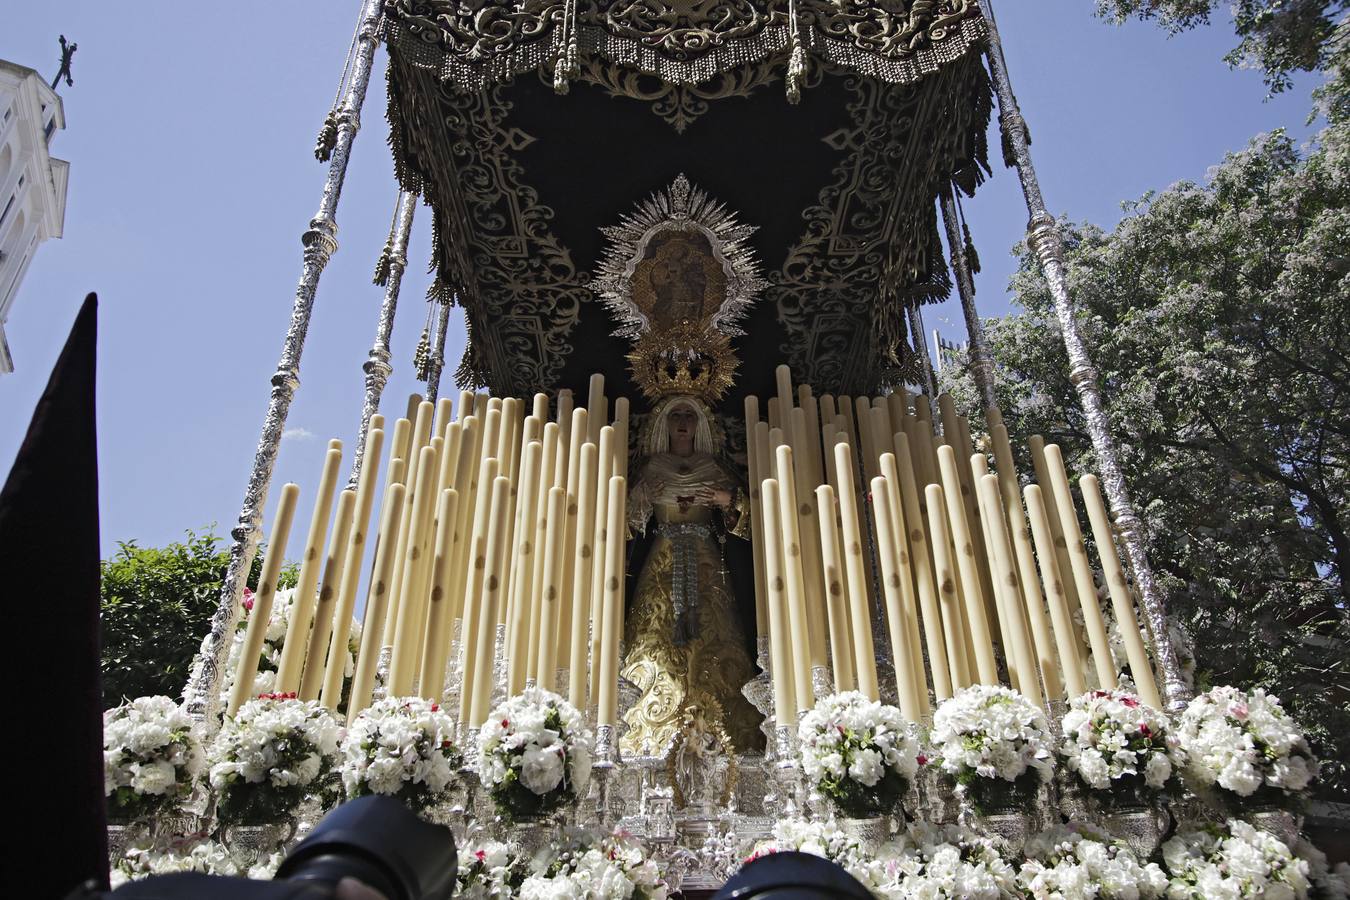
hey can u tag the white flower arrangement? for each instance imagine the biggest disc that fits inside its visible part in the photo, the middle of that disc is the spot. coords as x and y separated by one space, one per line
827 840
152 755
400 746
206 857
859 753
272 755
1064 863
615 869
1119 745
994 742
1327 883
274 639
489 870
534 753
1245 746
1233 861
951 862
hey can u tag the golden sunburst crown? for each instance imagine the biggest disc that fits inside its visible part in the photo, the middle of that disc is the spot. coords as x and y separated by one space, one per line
684 359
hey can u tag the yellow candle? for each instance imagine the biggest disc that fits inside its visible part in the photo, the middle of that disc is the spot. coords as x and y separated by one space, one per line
783 379
891 581
612 624
550 597
813 577
508 440
408 634
377 599
621 436
1082 570
302 612
547 474
465 483
829 411
465 408
1017 646
414 401
870 454
881 429
841 645
242 689
780 640
421 437
518 626
909 606
756 523
333 669
798 622
855 571
565 415
967 567
431 680
945 570
596 407
477 571
811 412
495 565
951 431
847 426
1042 640
445 410
311 678
1119 587
1041 467
1066 640
581 574
574 436
929 598
605 464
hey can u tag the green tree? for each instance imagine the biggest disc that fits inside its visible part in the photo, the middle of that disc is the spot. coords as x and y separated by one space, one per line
1278 37
156 607
1217 315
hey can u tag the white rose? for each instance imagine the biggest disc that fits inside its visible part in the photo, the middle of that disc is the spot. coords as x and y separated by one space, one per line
152 778
541 770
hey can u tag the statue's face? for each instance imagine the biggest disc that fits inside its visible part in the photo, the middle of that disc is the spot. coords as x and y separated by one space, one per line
683 423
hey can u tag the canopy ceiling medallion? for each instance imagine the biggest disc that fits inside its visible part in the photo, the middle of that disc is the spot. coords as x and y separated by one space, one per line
677 277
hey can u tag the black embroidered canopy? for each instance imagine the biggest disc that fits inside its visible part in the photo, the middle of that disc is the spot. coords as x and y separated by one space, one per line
529 125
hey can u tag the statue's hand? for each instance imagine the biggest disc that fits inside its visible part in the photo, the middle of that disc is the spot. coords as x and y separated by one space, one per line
718 497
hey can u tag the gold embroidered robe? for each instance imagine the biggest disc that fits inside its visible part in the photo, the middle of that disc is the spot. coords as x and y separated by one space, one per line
686 647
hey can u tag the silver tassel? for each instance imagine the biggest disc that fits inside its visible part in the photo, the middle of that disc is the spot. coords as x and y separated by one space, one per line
796 70
568 65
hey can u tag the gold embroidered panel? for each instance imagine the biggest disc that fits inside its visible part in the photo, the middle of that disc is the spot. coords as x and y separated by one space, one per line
474 43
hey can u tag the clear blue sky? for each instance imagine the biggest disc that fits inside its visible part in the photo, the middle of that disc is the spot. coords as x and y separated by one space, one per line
190 138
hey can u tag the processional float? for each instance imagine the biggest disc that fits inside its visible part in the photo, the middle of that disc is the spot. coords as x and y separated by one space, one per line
715 226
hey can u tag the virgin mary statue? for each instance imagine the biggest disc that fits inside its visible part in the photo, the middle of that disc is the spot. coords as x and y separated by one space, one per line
686 648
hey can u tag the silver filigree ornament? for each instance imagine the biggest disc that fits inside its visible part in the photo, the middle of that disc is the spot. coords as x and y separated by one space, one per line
681 207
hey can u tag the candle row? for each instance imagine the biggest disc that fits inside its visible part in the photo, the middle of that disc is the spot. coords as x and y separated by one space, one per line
511 525
978 578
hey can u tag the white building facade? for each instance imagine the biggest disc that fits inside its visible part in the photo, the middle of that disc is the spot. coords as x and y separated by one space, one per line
32 183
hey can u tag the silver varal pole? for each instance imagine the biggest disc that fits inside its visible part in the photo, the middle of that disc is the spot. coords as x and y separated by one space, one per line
388 272
981 361
437 361
202 694
921 347
1048 244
